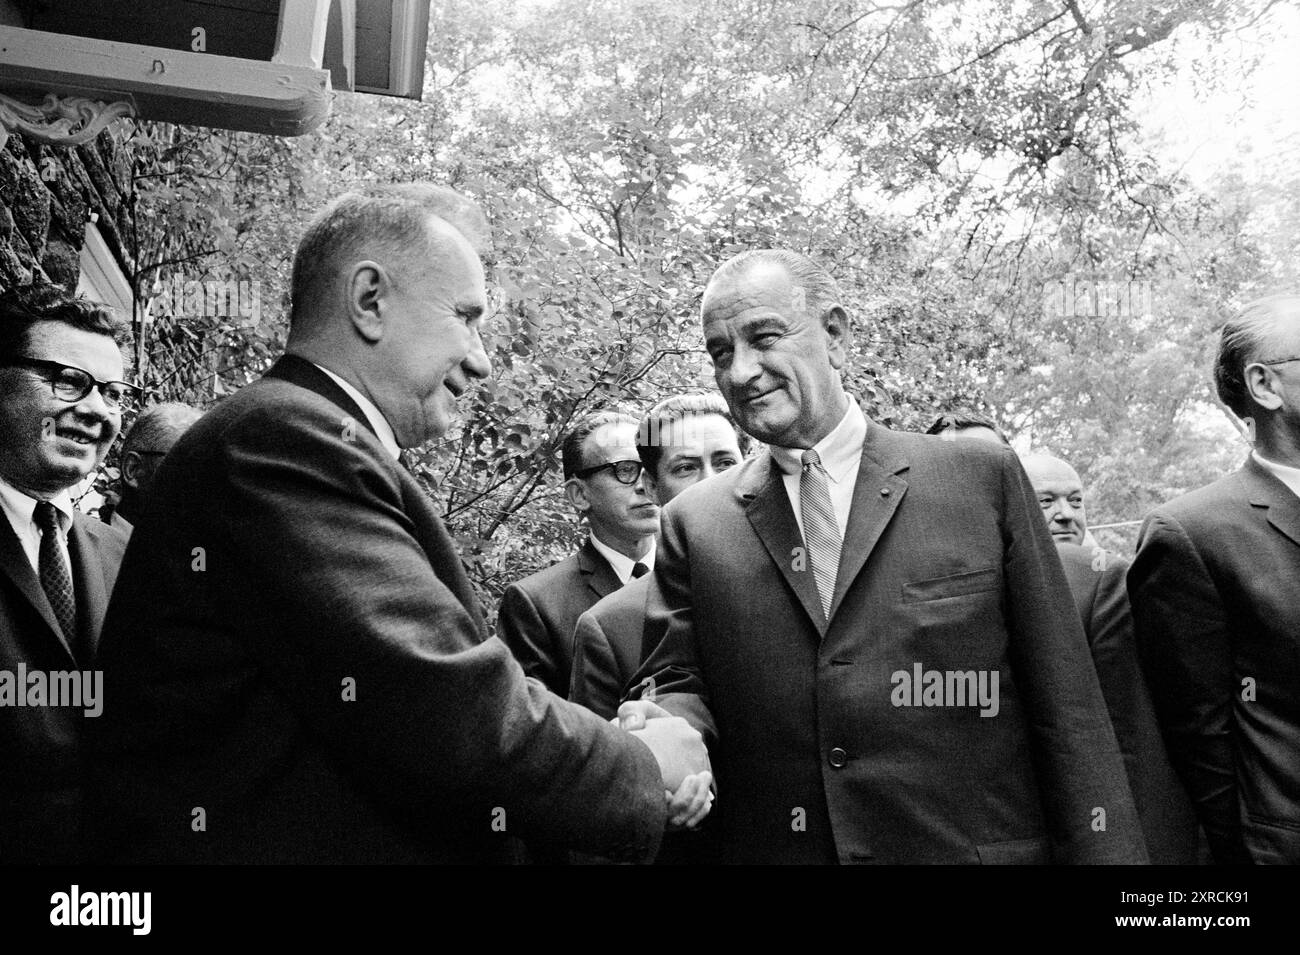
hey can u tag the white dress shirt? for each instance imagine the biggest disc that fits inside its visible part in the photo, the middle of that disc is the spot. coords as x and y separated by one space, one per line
20 509
1285 473
383 430
621 563
840 452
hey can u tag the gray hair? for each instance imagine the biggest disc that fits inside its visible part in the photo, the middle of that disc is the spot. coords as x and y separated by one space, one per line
1245 338
821 292
159 426
394 217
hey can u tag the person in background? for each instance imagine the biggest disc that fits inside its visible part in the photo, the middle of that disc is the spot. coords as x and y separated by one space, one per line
681 441
606 485
152 435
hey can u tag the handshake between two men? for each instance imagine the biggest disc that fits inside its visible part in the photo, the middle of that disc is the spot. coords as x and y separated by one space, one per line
682 756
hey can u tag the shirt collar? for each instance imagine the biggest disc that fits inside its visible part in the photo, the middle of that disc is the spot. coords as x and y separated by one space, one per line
621 563
1285 473
19 507
840 451
383 430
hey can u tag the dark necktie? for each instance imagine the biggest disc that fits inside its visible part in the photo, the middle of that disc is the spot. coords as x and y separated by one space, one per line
639 570
56 577
820 531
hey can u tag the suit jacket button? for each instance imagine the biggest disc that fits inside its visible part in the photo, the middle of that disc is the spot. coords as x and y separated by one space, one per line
884 492
838 758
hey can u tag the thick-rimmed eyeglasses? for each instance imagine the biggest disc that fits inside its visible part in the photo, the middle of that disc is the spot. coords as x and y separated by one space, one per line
625 472
71 384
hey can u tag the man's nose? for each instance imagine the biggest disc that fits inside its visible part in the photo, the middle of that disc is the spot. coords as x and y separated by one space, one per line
744 366
477 363
1064 512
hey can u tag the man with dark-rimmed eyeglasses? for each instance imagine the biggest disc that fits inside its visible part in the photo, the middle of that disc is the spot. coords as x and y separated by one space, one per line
605 485
61 403
1214 589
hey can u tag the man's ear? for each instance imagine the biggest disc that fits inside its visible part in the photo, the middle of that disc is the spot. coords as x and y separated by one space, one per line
132 467
836 322
576 492
1262 386
368 287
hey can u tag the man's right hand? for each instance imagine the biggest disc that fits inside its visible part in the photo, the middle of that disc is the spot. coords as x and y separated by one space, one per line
677 746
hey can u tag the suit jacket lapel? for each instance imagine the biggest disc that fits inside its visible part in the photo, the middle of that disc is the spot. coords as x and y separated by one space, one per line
767 505
1265 490
15 566
596 571
876 497
88 579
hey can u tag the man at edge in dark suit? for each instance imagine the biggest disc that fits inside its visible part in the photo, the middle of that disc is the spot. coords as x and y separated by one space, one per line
61 404
296 664
1215 587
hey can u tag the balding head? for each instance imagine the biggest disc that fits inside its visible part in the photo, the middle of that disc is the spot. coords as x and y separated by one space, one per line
399 225
1060 494
147 443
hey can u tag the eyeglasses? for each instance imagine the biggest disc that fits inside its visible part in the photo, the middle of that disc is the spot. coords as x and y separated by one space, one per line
1277 361
625 472
72 384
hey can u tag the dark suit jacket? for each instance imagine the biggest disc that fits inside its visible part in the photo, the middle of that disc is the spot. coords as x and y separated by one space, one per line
41 747
1096 580
947 564
607 648
538 613
294 649
1215 589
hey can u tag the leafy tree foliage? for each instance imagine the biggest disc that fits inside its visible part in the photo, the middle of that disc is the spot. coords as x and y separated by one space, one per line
953 163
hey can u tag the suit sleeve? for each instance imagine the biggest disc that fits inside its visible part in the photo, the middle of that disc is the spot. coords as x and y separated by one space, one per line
522 629
1079 767
595 682
669 650
1183 643
438 715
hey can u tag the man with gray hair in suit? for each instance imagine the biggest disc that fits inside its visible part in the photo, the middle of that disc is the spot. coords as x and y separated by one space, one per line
1214 594
871 628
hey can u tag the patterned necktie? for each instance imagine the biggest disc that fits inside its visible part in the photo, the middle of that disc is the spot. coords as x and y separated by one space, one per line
820 532
639 570
56 579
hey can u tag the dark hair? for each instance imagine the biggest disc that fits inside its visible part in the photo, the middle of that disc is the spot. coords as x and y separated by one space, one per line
961 420
159 424
393 217
21 308
573 451
656 429
1246 338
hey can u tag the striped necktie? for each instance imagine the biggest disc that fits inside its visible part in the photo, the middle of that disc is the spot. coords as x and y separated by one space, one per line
820 531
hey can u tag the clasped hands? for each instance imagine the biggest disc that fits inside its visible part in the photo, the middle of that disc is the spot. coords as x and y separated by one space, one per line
683 759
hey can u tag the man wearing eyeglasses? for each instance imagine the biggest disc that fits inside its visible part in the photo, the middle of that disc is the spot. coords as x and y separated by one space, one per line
61 404
1215 589
605 484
